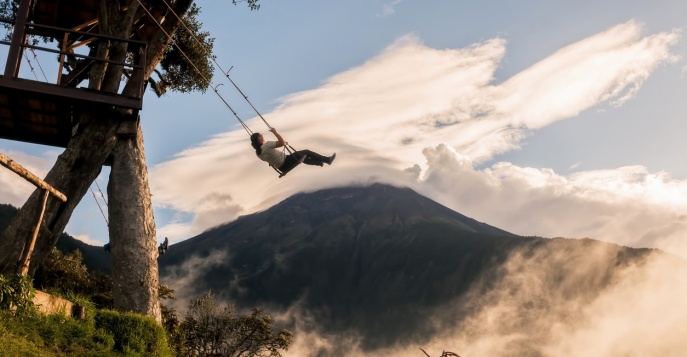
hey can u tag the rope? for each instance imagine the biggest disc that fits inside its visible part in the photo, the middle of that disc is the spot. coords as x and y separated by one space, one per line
209 55
30 66
100 208
245 127
101 192
39 64
96 182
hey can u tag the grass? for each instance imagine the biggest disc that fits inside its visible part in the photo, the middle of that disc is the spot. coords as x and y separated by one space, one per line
102 333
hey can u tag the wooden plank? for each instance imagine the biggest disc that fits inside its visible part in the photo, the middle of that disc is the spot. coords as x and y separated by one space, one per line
81 94
28 176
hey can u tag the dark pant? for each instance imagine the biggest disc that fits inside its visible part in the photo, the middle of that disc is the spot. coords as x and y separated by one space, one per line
311 158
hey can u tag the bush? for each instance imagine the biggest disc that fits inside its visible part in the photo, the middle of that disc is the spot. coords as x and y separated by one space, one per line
51 335
134 334
67 273
17 292
210 329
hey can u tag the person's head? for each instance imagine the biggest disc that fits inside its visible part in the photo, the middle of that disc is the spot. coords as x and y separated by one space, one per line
256 141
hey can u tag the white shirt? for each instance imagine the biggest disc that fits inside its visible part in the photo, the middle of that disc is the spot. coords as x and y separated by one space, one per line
270 154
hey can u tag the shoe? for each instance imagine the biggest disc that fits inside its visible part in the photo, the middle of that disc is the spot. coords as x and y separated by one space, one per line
331 159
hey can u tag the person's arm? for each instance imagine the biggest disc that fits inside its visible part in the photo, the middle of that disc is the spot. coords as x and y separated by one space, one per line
280 141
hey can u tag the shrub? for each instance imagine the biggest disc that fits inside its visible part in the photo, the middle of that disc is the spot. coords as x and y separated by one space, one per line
134 334
16 291
210 329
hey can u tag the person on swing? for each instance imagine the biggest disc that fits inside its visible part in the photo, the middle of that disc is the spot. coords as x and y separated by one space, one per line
267 151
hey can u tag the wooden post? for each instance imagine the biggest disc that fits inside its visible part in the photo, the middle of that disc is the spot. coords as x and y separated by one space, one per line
28 176
25 260
26 257
18 37
62 55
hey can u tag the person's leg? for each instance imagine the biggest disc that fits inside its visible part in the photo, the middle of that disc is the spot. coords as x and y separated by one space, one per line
313 158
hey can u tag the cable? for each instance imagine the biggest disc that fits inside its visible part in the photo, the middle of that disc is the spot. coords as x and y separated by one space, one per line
196 68
30 66
39 64
100 208
101 192
209 55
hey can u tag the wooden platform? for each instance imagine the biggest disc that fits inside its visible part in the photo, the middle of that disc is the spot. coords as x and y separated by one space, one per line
46 113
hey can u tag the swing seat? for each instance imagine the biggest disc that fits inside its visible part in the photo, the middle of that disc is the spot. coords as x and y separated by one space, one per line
287 168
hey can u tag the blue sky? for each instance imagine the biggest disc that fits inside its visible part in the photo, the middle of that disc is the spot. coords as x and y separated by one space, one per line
543 118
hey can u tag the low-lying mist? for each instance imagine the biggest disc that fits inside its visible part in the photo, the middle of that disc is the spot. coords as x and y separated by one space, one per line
551 299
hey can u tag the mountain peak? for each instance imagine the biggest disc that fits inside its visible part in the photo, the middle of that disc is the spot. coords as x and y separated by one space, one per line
377 202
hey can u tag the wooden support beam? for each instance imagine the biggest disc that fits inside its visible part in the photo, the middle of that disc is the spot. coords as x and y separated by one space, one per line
26 257
28 176
18 38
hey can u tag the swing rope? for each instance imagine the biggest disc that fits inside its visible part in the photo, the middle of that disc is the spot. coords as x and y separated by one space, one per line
46 80
188 60
226 74
209 55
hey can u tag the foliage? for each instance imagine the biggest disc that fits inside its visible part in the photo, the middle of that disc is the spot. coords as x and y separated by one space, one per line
67 274
170 321
52 335
134 334
211 330
109 333
16 292
8 10
187 62
252 4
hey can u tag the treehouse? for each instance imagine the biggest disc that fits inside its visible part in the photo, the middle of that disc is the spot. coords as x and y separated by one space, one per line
62 35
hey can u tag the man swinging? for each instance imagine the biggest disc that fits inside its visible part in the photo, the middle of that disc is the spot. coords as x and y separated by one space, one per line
267 151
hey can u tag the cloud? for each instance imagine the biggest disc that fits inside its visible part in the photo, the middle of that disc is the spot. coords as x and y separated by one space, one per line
386 121
175 231
628 205
184 278
546 301
87 239
14 189
390 8
609 66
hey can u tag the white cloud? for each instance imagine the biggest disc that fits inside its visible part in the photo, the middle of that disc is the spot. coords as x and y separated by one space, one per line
382 119
14 189
609 66
175 231
628 205
87 239
390 8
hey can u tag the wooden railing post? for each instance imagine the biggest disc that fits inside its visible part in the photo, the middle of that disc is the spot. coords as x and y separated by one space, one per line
28 176
18 37
25 260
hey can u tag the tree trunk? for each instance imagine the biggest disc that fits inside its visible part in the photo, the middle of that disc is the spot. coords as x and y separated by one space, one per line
132 228
133 245
72 174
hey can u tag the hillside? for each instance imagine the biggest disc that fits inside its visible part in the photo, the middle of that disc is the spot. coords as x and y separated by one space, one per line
95 258
375 261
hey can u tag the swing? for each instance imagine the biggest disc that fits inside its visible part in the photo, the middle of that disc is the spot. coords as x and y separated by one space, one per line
285 169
